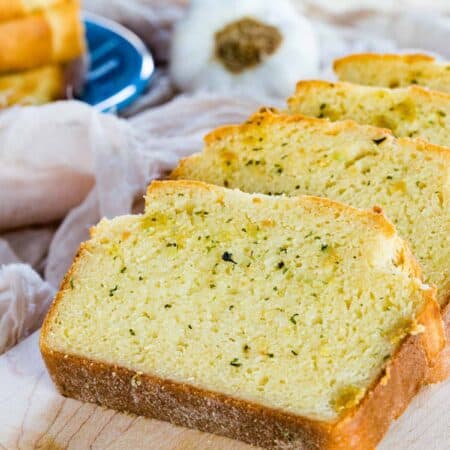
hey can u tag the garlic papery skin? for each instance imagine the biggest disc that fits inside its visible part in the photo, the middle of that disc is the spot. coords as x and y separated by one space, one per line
253 47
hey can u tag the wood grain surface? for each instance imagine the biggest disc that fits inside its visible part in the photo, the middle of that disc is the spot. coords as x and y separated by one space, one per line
34 416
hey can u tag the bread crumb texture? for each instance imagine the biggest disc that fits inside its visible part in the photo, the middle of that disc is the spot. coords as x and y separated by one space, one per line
408 112
293 303
394 71
358 165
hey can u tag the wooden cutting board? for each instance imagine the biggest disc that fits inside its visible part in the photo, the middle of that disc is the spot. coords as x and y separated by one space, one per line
34 416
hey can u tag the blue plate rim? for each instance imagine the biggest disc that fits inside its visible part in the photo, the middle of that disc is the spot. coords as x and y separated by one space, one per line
129 93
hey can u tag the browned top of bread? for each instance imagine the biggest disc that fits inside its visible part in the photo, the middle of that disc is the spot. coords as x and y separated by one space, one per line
412 111
390 70
385 57
13 9
356 164
54 35
32 87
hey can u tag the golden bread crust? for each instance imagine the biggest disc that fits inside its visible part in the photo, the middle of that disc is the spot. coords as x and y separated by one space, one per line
32 87
413 90
13 9
51 36
68 31
394 70
25 44
271 115
362 57
440 371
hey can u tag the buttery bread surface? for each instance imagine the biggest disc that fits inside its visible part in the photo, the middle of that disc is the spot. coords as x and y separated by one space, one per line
358 165
393 70
54 35
32 87
408 112
12 9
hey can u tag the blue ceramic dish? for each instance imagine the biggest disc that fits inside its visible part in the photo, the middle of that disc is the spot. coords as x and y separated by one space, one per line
120 66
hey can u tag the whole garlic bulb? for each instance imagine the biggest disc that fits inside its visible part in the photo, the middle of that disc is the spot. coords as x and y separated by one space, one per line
252 46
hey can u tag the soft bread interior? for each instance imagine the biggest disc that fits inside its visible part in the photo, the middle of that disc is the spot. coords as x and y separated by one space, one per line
32 87
408 112
394 71
357 165
294 303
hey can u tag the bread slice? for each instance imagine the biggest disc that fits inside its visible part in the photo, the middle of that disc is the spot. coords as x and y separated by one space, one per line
32 87
390 70
359 165
55 35
408 112
12 9
283 322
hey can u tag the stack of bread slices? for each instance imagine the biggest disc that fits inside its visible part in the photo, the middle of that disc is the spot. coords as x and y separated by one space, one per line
38 39
288 286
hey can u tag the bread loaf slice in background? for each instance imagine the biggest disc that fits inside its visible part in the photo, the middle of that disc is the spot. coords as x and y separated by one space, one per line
13 9
283 322
359 165
32 87
408 112
393 70
55 35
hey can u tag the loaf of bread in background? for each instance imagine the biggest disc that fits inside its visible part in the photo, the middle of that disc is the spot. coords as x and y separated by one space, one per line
12 9
358 165
284 322
391 70
409 112
32 87
54 35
